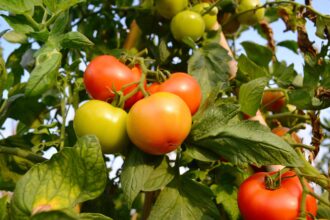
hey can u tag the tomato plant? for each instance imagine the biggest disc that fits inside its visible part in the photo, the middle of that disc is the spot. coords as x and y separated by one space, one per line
256 201
209 18
105 121
159 124
183 85
246 13
169 8
187 24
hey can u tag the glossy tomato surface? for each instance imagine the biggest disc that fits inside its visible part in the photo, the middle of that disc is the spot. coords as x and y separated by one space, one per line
187 24
183 85
252 16
158 124
273 101
169 8
210 18
106 122
258 203
106 74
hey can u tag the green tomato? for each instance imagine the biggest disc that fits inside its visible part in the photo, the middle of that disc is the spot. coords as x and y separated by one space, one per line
251 17
169 8
187 24
106 122
210 18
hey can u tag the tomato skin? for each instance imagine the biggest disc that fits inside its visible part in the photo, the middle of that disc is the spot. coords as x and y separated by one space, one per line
169 8
158 124
105 73
183 85
273 101
187 24
106 122
251 17
258 203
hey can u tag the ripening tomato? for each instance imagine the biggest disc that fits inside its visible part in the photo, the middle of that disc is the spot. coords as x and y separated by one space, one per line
251 17
104 74
169 8
187 24
258 203
183 85
273 101
106 122
281 131
209 18
158 124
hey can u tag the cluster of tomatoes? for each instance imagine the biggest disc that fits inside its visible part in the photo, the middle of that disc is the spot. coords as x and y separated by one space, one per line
187 22
156 118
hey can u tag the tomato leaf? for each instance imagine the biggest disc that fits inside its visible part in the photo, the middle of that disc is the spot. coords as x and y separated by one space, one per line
209 65
201 154
44 74
15 37
18 23
60 23
243 142
159 177
176 201
17 6
56 6
68 215
323 211
4 201
259 54
75 40
226 195
250 95
284 75
322 26
71 176
289 44
136 171
3 77
248 70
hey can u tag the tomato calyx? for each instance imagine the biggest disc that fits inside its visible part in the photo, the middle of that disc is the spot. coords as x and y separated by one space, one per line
273 181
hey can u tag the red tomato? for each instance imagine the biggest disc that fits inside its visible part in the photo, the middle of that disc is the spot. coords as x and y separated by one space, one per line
105 73
183 85
258 203
158 124
273 101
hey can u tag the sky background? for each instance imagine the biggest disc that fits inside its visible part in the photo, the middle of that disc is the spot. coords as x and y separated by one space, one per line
322 6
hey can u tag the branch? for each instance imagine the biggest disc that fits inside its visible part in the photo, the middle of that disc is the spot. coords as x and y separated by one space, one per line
22 153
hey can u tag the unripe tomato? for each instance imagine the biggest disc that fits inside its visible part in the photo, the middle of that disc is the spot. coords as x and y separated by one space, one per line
210 19
273 101
169 8
158 124
105 74
251 17
187 24
106 122
185 86
256 202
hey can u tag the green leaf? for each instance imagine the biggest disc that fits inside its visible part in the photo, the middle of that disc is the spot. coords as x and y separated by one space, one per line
226 195
259 54
75 40
303 98
15 37
72 176
184 198
209 65
16 6
3 76
323 211
19 23
322 26
289 44
56 215
201 154
60 23
136 171
124 3
284 75
159 177
56 6
43 76
4 201
312 72
250 95
93 216
243 142
248 70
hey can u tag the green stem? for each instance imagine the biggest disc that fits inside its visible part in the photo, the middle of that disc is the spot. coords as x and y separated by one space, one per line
33 22
286 114
63 113
302 211
52 19
297 127
22 153
308 147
